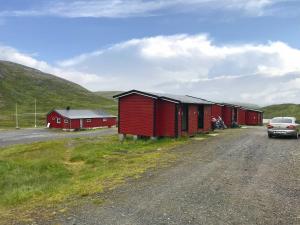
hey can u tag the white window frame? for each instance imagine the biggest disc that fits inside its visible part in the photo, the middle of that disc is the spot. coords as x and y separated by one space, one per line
88 120
66 121
58 120
104 119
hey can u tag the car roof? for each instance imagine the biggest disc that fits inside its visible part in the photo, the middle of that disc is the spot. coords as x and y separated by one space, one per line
284 117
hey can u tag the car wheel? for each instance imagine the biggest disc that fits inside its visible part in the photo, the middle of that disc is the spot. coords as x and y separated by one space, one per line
270 135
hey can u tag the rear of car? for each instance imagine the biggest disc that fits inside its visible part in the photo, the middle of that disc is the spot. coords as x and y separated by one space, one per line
283 126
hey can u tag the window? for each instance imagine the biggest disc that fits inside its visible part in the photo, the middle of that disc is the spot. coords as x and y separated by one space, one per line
281 120
88 120
104 120
66 121
58 120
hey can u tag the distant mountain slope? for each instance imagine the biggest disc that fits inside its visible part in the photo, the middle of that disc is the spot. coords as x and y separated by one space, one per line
107 94
282 110
22 85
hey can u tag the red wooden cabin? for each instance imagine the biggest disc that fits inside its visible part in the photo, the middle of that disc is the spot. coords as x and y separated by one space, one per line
216 110
70 119
242 116
254 117
162 115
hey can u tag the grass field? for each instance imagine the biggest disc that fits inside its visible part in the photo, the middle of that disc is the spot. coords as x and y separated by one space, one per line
282 110
58 171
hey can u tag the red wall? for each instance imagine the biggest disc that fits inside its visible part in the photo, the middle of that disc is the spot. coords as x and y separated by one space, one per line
241 116
75 123
136 115
193 119
227 115
52 119
179 120
216 111
165 118
99 122
251 117
207 118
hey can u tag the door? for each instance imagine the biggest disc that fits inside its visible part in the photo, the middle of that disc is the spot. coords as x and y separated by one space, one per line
184 117
235 115
201 116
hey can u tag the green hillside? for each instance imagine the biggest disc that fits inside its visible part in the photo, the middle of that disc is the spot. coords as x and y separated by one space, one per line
282 110
22 85
107 94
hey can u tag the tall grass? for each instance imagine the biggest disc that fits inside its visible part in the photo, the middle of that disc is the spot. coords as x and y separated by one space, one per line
55 171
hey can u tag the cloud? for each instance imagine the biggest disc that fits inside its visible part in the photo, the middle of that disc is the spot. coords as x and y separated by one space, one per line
193 64
13 55
138 8
184 64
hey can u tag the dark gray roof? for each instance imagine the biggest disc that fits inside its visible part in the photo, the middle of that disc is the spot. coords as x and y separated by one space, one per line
82 113
169 97
183 98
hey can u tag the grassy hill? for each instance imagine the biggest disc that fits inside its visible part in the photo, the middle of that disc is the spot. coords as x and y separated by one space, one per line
22 85
282 110
107 94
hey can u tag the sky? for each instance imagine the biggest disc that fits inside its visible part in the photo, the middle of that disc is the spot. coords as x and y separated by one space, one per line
222 50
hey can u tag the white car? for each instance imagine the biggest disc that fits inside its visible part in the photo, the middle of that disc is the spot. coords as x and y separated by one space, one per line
283 126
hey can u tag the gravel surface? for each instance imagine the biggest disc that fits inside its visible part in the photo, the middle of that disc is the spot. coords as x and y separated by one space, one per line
22 136
239 177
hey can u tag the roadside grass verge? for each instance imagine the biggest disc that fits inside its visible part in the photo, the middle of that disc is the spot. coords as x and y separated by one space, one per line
46 173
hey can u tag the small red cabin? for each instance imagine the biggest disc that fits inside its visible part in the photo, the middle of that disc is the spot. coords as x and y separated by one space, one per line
70 119
162 115
216 110
242 116
254 117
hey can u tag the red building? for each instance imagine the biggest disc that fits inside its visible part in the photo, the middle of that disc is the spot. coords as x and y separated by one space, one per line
216 110
162 115
254 117
242 116
79 119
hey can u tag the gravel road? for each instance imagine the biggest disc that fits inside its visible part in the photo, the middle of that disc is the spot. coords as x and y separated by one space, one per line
240 177
23 136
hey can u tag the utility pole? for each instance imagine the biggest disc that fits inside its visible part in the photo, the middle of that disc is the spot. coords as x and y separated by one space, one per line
35 113
17 122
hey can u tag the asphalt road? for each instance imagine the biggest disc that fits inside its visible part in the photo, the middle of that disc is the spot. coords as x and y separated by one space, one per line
11 137
240 177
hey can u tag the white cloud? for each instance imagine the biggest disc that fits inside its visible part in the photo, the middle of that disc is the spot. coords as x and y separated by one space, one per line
13 55
184 64
194 65
132 8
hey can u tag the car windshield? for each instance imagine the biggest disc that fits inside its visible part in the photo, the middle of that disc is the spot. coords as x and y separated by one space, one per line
281 120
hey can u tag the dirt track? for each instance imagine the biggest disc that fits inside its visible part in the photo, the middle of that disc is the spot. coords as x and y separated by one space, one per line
239 177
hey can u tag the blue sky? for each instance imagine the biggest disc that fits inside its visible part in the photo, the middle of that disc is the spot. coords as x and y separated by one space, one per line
199 47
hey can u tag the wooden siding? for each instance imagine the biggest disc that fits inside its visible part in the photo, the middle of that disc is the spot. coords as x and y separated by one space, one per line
216 111
227 115
52 119
193 120
136 115
252 118
99 122
242 117
165 118
179 120
207 118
